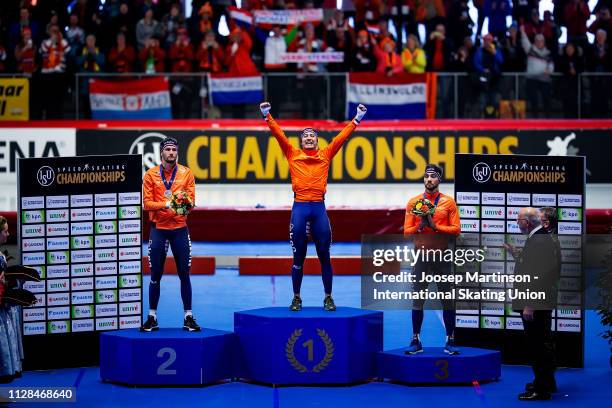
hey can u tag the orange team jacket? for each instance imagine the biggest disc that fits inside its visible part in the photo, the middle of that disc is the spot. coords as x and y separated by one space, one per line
153 196
446 216
309 170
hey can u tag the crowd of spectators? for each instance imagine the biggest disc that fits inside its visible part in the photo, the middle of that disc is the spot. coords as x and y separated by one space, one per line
56 38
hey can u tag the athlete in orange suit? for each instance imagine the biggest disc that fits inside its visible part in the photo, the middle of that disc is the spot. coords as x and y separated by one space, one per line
309 167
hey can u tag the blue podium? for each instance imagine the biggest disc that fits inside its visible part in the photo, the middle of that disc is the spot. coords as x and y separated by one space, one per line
311 346
434 366
167 357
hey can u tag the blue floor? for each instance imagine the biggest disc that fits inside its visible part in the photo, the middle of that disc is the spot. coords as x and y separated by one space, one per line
217 297
277 248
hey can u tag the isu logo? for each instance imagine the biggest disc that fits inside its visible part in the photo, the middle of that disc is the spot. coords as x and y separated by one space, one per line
45 176
481 172
148 146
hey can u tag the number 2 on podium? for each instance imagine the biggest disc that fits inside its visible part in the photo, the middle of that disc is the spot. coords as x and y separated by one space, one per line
163 368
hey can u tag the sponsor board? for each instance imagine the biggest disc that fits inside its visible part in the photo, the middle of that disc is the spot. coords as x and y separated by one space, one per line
468 198
571 255
82 242
82 284
468 239
34 258
129 226
104 255
490 267
35 287
58 243
568 313
106 227
514 323
81 214
497 226
81 200
32 203
79 270
106 268
106 296
129 281
569 298
496 309
82 311
32 315
466 321
105 213
512 228
33 244
129 212
493 240
492 322
31 231
58 285
55 230
544 200
493 212
130 253
62 326
106 310
470 226
57 257
571 269
570 200
493 198
495 254
129 198
58 313
129 295
130 308
84 325
107 199
569 228
32 329
106 282
84 255
567 325
106 324
80 298
129 239
106 241
569 242
81 228
32 216
58 201
570 214
566 283
130 267
130 322
519 199
58 299
469 211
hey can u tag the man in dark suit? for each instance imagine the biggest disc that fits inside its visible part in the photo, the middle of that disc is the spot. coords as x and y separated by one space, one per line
539 261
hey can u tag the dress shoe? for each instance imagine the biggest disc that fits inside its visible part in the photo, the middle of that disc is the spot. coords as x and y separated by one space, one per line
530 387
534 396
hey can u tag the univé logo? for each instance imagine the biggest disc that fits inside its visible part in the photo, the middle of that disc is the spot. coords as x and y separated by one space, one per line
481 172
45 176
148 146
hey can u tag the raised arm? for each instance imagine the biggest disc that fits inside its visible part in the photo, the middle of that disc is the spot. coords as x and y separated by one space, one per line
331 149
277 132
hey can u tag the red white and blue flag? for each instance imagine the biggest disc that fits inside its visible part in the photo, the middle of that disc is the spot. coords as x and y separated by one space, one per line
403 96
146 98
229 89
241 17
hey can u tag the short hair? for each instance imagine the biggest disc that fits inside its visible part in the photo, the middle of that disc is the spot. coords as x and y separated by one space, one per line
3 222
551 216
533 216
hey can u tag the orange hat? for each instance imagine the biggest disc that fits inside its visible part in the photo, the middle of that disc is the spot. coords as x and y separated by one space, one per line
386 40
362 32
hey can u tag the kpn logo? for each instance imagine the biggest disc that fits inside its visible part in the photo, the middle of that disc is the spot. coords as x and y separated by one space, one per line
60 326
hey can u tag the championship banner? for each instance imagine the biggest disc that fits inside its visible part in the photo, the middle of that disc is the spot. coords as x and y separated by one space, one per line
241 17
229 89
288 17
79 223
146 98
369 156
301 57
489 191
403 96
14 99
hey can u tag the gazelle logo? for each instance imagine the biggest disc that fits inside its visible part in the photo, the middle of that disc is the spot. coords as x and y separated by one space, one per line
148 146
481 172
45 176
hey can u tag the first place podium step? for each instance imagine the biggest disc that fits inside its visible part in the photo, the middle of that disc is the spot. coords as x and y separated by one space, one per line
311 346
167 357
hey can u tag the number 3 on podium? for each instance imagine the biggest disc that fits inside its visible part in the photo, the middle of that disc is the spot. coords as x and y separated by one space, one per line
442 373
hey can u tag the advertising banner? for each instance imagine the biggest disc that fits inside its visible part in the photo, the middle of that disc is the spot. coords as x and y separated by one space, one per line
14 99
490 190
368 156
69 210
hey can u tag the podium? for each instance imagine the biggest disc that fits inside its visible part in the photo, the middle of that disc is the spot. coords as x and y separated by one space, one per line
312 346
434 366
167 357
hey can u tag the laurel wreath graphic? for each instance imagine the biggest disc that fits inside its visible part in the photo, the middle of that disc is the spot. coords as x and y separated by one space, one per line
322 365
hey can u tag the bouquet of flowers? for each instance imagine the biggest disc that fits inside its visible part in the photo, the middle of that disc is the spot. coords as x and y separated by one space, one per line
181 203
423 208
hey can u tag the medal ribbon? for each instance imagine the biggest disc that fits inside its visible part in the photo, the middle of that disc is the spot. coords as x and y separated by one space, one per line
161 174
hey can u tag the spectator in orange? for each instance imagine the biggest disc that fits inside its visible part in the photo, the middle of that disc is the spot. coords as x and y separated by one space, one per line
54 51
238 54
389 62
181 53
438 50
210 54
206 18
122 56
363 58
413 56
25 53
152 57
